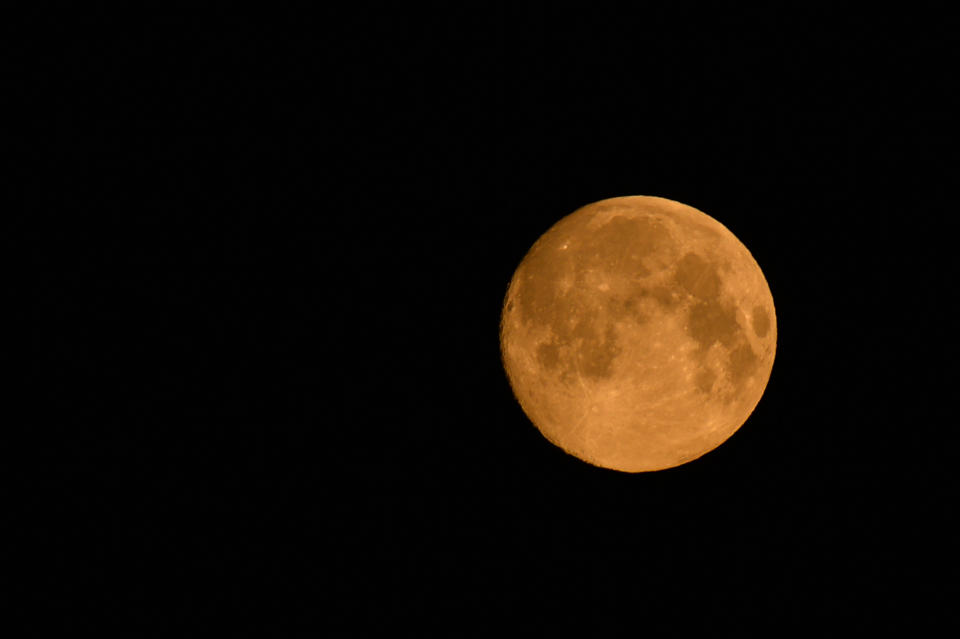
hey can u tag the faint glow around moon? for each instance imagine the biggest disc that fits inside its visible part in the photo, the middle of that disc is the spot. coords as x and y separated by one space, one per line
638 333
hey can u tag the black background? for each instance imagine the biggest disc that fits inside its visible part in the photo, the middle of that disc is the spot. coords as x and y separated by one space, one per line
268 257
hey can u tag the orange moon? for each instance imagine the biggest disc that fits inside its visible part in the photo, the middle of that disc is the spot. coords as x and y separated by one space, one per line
638 333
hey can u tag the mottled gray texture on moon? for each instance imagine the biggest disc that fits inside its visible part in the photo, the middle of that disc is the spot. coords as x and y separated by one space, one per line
638 333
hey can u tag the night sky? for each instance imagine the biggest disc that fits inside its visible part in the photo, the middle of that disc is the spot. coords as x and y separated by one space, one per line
268 258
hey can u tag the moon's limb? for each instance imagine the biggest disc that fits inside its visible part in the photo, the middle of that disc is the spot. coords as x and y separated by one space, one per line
638 333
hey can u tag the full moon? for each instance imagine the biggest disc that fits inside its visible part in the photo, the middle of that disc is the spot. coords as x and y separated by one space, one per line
638 333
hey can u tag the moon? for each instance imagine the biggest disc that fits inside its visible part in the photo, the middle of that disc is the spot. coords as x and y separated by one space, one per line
638 333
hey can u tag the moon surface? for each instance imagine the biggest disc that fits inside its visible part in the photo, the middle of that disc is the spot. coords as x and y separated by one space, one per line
638 333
